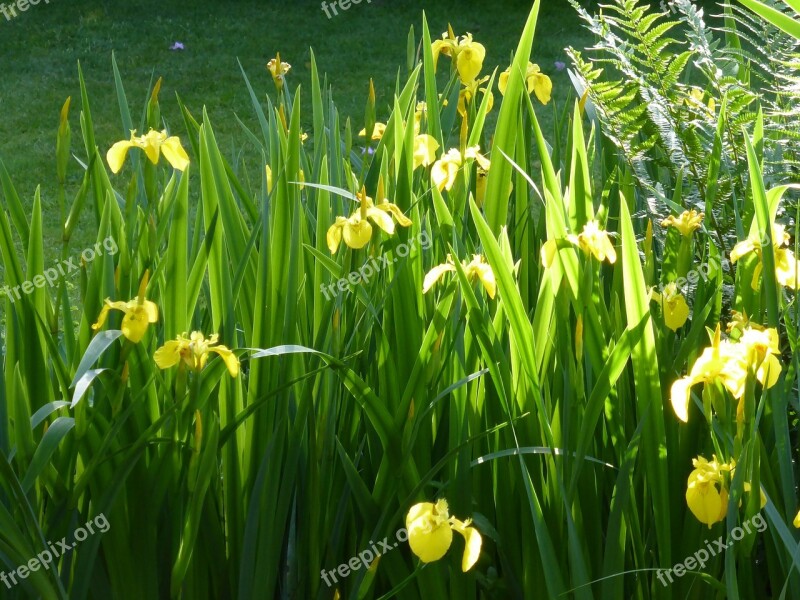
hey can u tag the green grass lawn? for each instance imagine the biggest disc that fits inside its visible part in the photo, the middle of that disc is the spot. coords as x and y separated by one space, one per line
40 49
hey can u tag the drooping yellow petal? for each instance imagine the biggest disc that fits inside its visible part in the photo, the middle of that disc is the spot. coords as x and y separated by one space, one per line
705 502
116 305
472 543
434 275
742 249
542 87
680 396
137 316
674 307
116 155
357 233
395 211
169 354
174 153
502 81
381 218
334 235
469 61
231 361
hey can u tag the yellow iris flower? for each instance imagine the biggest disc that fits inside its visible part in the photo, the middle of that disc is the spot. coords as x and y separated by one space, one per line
761 347
444 171
425 147
139 313
357 231
536 82
278 70
707 492
193 351
673 306
377 131
154 143
477 269
592 240
467 54
687 223
707 501
786 266
430 533
469 91
796 521
727 362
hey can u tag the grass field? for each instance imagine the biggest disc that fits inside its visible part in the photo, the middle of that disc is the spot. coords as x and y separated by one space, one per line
40 50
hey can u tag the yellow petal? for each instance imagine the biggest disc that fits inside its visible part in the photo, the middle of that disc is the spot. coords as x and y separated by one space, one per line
334 235
769 371
151 144
395 211
680 396
443 173
116 155
741 249
472 544
168 355
429 535
101 318
481 270
174 153
676 312
357 233
787 268
425 147
381 218
705 502
134 323
542 87
229 357
796 521
502 81
470 61
434 275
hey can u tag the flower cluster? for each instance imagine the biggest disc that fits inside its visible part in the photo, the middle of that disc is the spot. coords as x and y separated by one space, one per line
192 350
356 229
728 362
592 240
